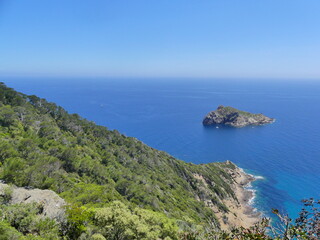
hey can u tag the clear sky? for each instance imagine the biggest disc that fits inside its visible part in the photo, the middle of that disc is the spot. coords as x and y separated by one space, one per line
161 38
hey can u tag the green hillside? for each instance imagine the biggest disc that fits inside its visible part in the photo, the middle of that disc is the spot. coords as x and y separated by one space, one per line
42 146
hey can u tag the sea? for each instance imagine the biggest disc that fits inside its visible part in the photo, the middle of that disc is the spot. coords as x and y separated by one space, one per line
167 114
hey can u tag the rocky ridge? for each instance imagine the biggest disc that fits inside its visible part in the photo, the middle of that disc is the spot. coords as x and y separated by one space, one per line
233 117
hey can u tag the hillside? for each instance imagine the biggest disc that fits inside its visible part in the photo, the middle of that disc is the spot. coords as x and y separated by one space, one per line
43 146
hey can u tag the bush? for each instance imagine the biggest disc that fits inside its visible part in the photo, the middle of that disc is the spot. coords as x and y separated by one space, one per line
117 222
6 195
26 219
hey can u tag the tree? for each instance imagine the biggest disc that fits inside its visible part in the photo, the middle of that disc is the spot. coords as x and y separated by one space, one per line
7 116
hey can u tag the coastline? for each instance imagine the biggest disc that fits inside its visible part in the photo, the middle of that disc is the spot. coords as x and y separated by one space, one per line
242 213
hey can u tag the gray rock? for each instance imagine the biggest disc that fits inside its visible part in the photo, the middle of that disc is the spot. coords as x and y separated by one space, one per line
235 118
53 205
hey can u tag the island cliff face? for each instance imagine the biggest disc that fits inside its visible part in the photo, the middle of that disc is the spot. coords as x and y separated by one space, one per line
235 118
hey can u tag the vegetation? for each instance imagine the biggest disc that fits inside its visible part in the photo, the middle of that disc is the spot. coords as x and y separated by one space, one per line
117 221
116 187
229 110
305 227
42 146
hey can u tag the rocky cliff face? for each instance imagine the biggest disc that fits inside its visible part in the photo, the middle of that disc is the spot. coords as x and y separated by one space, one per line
235 118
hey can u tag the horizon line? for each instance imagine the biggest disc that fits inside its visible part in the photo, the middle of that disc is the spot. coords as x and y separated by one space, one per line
136 77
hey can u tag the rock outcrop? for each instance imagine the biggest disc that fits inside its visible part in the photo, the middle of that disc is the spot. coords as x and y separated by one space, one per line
235 118
53 205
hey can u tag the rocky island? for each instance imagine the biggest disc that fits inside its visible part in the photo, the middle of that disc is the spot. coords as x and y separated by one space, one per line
235 118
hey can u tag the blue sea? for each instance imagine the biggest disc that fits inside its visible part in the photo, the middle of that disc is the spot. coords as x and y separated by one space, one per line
167 114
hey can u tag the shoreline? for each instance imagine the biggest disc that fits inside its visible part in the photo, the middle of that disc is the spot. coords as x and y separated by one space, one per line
242 213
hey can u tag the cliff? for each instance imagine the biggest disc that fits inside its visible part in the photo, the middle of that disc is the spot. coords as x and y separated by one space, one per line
235 118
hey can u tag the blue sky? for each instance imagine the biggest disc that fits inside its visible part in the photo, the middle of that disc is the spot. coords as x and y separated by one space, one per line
160 38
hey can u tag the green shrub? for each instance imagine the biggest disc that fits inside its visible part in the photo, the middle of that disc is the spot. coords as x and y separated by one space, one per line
117 221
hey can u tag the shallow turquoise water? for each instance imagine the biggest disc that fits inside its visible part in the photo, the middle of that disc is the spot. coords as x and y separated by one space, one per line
167 115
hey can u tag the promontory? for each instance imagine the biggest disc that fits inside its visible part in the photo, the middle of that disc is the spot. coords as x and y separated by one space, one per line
236 118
